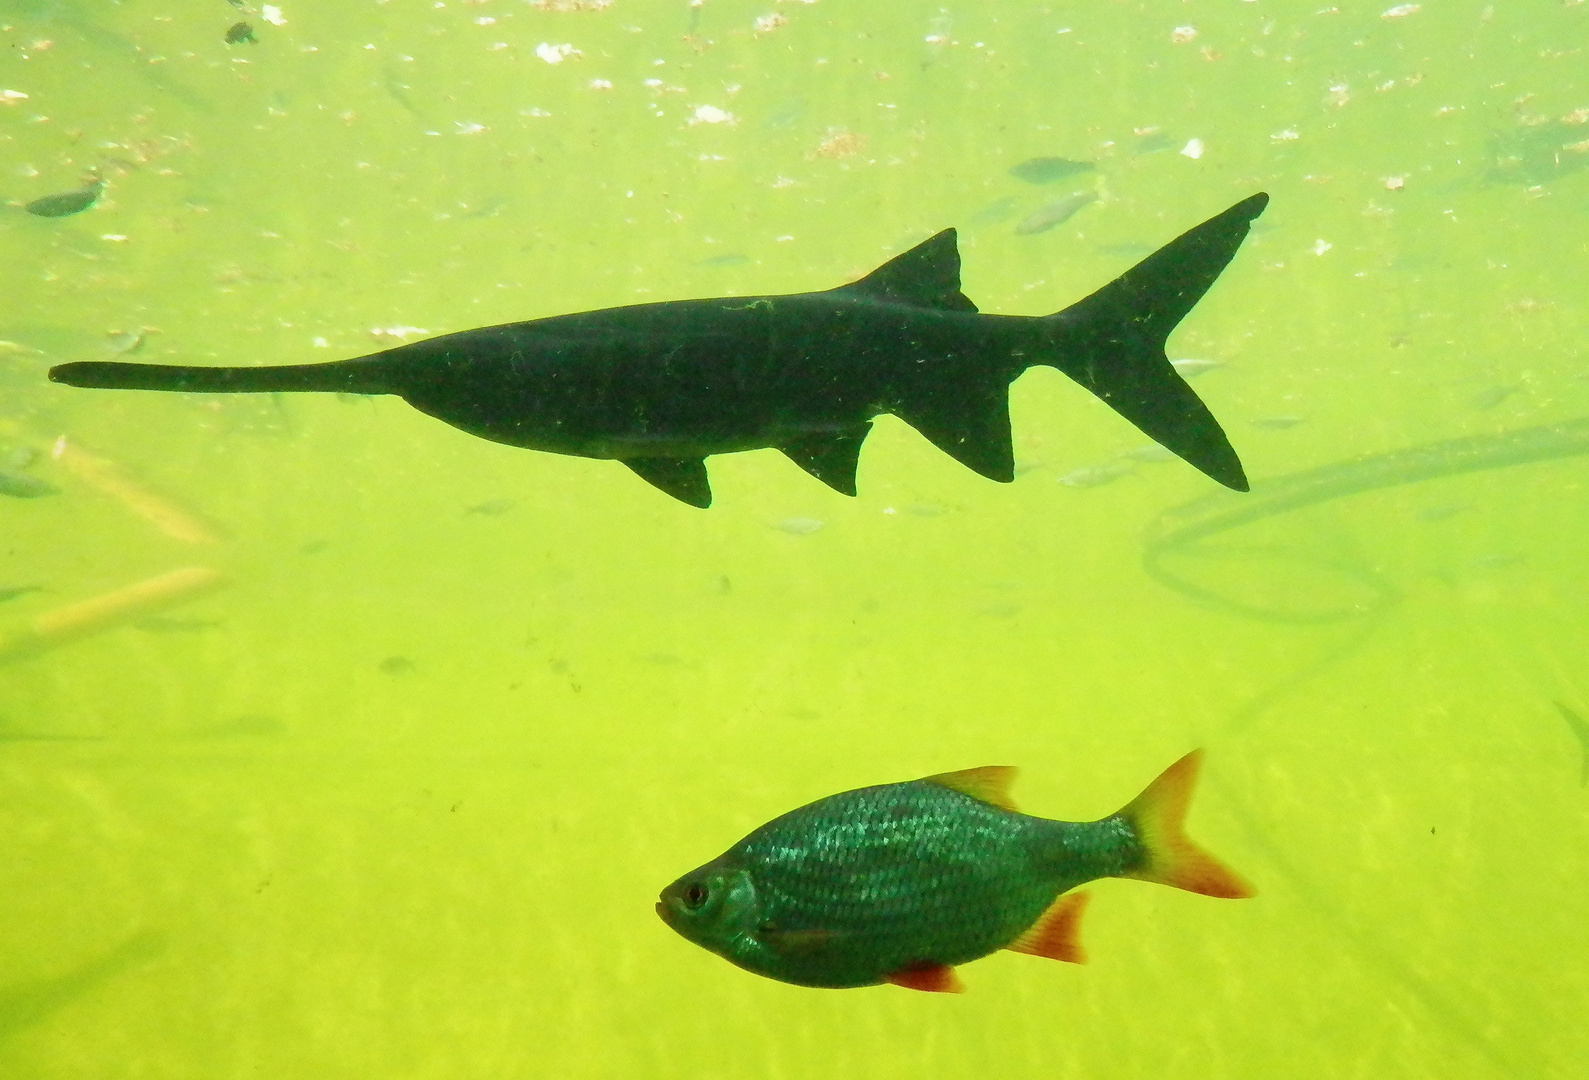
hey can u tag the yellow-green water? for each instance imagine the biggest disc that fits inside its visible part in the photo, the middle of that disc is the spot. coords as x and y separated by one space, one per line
397 800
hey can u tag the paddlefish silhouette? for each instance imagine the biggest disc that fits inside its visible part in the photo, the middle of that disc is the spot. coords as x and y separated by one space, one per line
660 387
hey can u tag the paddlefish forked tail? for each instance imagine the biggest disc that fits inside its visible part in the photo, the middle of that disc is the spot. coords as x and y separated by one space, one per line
1112 342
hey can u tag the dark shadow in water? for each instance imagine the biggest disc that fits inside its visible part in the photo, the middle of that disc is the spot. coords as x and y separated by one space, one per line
1459 1023
24 1004
1181 532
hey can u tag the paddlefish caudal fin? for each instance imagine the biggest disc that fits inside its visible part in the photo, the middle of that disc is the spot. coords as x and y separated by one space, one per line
1113 341
364 375
1169 856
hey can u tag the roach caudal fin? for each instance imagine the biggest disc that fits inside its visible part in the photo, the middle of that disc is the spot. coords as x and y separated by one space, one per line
933 978
1057 932
1170 857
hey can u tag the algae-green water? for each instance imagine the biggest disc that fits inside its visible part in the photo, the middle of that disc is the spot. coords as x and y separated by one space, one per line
394 794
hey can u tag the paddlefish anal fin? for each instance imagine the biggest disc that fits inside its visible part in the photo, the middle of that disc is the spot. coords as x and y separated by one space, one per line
831 458
683 478
1057 932
933 978
970 422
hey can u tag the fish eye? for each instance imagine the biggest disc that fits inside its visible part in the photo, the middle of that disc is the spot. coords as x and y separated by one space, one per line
695 896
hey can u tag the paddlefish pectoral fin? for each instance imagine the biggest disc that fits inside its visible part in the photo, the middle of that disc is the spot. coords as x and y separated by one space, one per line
683 478
1112 342
932 978
362 375
1057 932
1168 856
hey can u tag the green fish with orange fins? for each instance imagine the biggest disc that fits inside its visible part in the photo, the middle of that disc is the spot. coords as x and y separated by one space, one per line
899 883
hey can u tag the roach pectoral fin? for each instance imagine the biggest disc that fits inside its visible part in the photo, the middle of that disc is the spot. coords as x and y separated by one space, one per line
933 978
683 478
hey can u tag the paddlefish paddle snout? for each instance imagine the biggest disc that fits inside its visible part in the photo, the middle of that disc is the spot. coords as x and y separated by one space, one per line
660 387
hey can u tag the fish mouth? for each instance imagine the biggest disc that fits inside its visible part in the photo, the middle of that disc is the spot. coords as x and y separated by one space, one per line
666 913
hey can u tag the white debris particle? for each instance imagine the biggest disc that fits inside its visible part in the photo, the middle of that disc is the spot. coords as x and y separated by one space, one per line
783 239
601 84
1401 11
768 23
1395 183
272 14
1339 95
460 127
533 111
1285 136
1182 34
1577 116
320 343
114 238
711 114
1193 149
1320 247
556 54
11 97
401 333
485 20
496 46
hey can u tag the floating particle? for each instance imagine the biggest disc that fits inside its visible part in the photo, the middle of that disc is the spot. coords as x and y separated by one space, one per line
1321 246
839 143
1288 135
768 23
1182 34
241 33
1060 210
1193 149
711 114
798 526
66 203
272 14
1046 170
1401 11
1190 367
1395 183
556 54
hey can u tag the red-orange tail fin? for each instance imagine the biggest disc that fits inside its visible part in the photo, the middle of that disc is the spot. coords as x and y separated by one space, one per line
1169 855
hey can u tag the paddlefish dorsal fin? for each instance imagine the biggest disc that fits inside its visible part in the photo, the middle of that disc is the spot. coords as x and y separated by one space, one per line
928 275
683 478
989 784
831 457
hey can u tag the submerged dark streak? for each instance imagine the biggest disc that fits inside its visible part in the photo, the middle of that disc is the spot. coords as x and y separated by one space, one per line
1178 530
660 387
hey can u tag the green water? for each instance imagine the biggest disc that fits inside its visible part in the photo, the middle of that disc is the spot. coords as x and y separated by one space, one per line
397 799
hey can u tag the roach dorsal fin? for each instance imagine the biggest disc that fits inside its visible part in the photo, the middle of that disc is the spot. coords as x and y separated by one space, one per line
989 784
933 978
1057 932
928 275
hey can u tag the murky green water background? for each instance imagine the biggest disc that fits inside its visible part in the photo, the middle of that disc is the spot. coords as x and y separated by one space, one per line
397 800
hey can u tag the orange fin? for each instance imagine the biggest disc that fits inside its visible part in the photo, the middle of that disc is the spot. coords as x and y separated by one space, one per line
989 784
1170 857
1057 932
933 978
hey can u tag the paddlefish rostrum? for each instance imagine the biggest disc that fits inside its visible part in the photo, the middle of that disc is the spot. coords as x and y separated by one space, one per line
900 883
660 387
